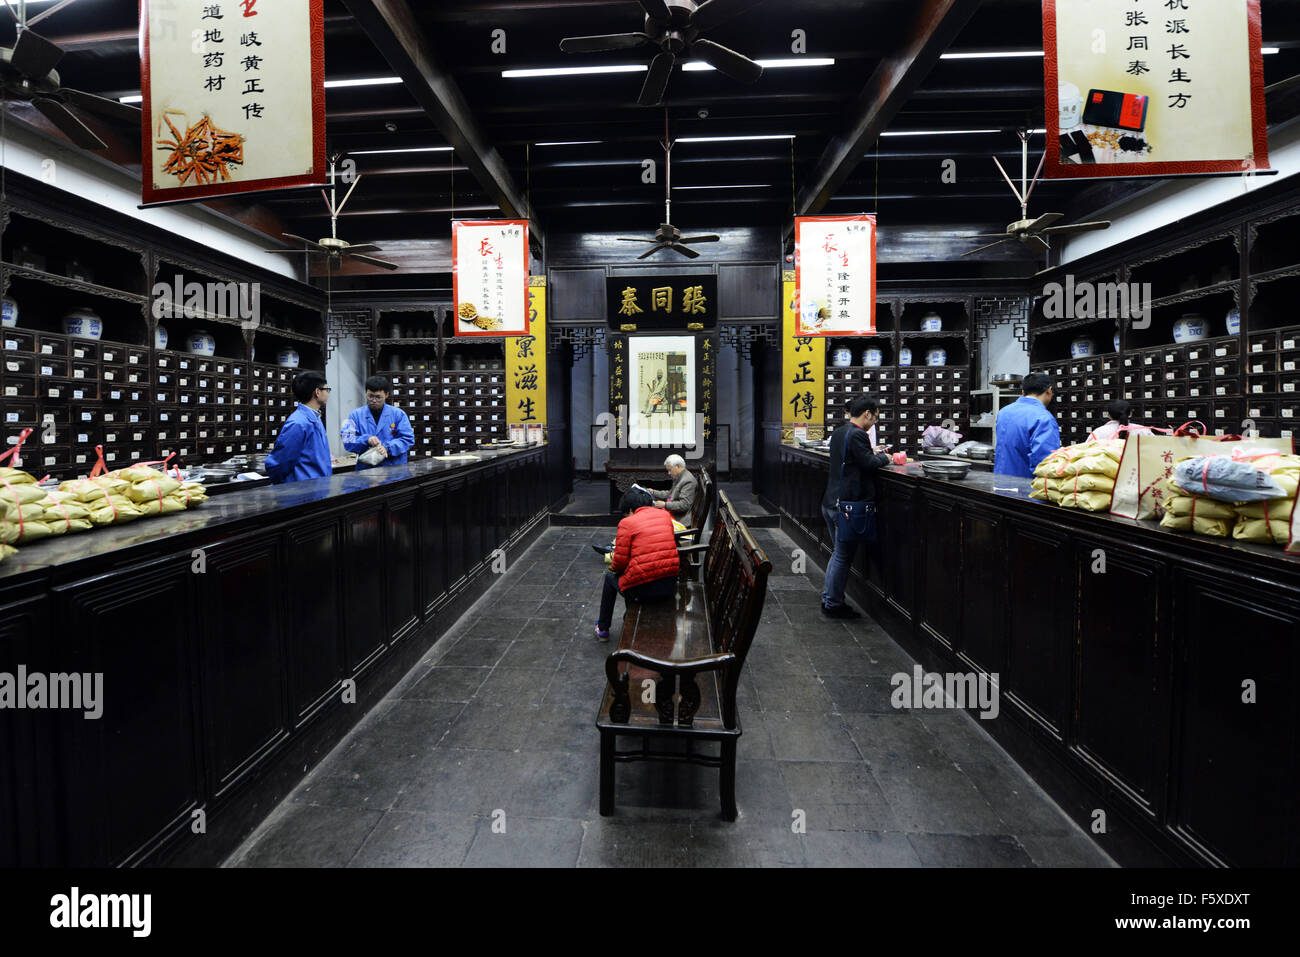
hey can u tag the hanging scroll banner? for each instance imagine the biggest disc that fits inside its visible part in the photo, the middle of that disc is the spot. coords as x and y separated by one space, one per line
835 275
1153 88
526 363
489 266
233 97
803 364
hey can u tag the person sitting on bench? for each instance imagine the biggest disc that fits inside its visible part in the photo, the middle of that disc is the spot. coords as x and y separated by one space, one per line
644 565
678 501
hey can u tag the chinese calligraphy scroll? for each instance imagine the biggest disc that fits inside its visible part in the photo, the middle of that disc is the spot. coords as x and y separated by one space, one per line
233 97
526 363
489 267
835 275
803 365
1153 88
661 390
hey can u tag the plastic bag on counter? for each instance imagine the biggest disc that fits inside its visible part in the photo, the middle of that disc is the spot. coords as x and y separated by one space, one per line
1088 501
1195 513
1269 521
94 489
160 506
190 494
1225 478
62 519
372 456
937 437
152 489
113 510
32 512
19 494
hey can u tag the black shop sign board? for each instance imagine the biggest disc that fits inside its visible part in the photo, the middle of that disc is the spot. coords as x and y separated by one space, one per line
662 303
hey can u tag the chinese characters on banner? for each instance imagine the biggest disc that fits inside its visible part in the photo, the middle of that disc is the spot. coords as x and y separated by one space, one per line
835 275
526 363
1153 88
655 303
708 377
233 97
803 365
618 382
489 268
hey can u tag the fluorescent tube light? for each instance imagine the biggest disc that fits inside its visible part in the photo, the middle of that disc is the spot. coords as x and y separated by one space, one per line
568 142
577 70
364 81
731 139
412 149
990 56
136 98
935 132
698 65
733 186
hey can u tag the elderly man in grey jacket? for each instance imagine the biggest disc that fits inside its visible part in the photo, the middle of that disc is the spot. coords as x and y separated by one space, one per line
680 499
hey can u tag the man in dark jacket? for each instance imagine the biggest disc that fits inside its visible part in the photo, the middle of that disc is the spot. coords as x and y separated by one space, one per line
645 563
857 484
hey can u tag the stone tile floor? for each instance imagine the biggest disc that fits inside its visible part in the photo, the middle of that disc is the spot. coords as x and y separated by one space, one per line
496 726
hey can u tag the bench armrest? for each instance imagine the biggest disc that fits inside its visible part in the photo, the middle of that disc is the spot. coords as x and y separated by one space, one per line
691 549
621 706
686 666
686 531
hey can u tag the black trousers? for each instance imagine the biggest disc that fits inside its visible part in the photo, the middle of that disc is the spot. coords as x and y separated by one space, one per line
647 591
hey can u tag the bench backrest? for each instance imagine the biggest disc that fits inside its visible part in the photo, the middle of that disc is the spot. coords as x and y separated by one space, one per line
735 586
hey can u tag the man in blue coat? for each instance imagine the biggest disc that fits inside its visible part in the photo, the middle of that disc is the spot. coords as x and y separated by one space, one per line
1027 432
301 450
379 425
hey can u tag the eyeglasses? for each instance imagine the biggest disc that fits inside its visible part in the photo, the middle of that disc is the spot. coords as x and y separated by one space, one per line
324 388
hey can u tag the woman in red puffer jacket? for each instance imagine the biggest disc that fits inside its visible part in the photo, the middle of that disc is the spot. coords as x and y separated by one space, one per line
644 565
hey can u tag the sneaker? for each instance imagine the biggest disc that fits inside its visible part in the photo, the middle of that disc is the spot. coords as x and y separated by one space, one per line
602 549
839 611
602 635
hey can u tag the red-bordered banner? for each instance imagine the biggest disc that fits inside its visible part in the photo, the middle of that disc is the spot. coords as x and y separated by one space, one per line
1153 88
835 275
233 97
489 268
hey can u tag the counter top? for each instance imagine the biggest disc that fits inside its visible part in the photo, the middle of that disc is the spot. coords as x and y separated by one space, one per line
252 500
1009 487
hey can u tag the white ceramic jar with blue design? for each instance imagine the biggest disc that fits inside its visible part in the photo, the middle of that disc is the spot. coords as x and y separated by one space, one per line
1081 348
1191 328
201 343
1234 321
872 358
904 356
160 337
83 323
10 313
936 357
287 358
931 322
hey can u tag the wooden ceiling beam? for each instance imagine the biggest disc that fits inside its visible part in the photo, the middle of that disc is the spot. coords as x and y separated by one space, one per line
393 29
934 26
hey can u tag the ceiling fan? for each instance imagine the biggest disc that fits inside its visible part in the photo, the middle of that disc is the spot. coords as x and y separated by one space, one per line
675 27
27 73
1025 229
668 236
334 248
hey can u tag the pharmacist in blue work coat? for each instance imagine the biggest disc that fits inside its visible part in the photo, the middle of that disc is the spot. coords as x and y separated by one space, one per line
378 425
1026 432
302 450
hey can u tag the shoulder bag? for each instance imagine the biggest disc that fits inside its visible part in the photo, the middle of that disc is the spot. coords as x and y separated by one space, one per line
858 519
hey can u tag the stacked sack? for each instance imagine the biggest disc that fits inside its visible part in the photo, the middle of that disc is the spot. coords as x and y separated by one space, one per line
1079 476
156 493
1217 495
22 508
103 498
1269 521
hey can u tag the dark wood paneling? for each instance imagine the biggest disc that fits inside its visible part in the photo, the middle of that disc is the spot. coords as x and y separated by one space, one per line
365 627
245 694
402 569
1121 711
746 291
737 244
26 837
984 610
132 776
576 294
456 531
313 636
1037 678
1239 793
433 542
898 517
941 584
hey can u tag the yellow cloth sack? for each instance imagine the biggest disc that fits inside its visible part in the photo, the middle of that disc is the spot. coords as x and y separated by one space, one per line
16 476
1086 464
94 490
60 523
6 551
32 512
1086 482
31 532
113 510
1215 527
1259 530
1088 501
1201 507
152 489
58 511
165 506
137 473
21 494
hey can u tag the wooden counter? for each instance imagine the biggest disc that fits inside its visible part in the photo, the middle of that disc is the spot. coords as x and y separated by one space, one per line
1121 691
229 638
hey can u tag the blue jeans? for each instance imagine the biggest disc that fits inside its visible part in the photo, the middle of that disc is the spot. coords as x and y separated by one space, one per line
829 514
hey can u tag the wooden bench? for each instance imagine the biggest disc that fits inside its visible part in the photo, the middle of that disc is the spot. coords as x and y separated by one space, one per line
699 521
692 650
